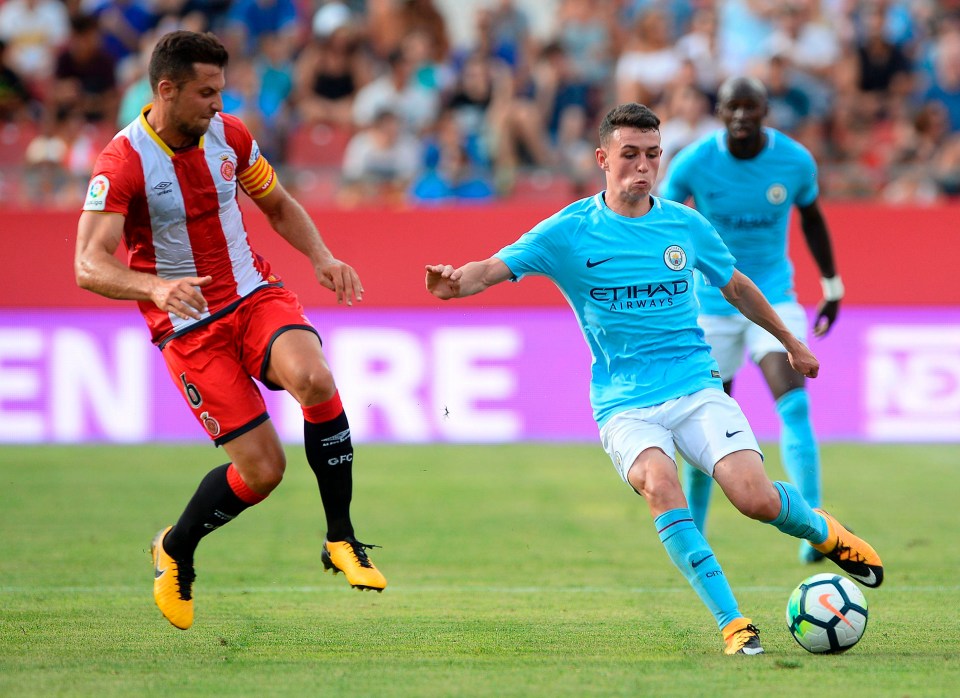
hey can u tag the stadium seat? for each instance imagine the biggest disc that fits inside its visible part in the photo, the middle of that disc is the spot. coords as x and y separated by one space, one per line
14 139
316 145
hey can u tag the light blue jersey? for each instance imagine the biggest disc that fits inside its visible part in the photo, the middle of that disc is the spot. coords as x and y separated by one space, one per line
749 203
630 284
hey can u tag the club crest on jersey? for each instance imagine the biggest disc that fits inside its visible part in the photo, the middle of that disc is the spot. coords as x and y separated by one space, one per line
675 258
776 194
97 194
227 168
210 424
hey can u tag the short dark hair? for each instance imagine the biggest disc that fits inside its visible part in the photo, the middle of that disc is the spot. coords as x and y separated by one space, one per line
631 114
176 53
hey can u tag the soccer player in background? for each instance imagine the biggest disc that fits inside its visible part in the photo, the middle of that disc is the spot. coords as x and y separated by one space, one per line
745 180
625 260
168 187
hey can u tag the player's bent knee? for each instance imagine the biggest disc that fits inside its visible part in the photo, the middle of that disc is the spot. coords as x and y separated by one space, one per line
311 387
265 477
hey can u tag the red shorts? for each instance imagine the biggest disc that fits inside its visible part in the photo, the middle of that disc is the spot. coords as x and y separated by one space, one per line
214 364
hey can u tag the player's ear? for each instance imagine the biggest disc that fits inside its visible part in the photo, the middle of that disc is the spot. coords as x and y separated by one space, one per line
601 155
166 90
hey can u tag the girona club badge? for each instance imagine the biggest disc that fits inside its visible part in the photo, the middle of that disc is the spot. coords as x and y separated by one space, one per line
210 424
227 169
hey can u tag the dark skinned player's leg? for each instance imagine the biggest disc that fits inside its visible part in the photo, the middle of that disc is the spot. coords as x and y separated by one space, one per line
798 445
297 363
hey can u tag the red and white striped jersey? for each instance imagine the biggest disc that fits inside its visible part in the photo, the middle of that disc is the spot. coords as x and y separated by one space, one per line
182 216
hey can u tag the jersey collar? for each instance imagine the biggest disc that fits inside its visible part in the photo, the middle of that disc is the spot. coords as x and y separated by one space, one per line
153 134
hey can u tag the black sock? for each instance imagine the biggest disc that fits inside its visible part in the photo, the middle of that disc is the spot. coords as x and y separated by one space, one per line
212 505
330 455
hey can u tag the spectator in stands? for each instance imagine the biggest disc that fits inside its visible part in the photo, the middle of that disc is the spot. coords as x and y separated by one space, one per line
743 30
34 30
789 103
648 63
248 20
450 173
584 29
123 24
246 96
945 87
380 162
136 92
508 28
85 74
700 47
427 71
884 76
422 16
329 71
59 160
569 107
417 106
15 98
689 118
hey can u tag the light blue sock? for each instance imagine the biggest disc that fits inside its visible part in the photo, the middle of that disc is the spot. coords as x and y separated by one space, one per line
698 487
798 445
691 553
796 518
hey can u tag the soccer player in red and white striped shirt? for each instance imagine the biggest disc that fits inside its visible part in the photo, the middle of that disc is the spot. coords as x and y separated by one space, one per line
168 187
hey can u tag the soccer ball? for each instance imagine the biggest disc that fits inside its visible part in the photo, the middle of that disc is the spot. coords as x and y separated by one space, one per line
827 613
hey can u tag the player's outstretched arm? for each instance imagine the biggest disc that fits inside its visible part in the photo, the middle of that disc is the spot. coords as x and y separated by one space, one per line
294 225
446 282
741 292
815 232
97 270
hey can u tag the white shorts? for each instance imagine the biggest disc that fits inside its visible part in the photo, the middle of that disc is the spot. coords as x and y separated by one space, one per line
729 335
704 427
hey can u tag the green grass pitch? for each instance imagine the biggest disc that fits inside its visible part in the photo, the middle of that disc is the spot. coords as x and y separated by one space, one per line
515 570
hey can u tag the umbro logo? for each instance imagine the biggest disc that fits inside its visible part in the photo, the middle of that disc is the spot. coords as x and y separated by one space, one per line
163 188
592 264
734 433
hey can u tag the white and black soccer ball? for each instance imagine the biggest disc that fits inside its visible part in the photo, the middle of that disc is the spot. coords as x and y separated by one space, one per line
827 613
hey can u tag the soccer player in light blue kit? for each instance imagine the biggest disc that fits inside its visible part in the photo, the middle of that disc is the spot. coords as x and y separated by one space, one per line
625 261
745 180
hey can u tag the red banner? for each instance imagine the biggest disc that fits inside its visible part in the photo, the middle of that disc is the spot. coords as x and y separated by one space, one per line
886 255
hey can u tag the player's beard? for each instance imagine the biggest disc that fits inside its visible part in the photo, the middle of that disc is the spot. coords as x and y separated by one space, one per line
194 130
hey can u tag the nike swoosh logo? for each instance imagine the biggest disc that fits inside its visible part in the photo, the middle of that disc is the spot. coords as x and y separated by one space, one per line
825 602
734 433
867 580
699 562
591 265
157 572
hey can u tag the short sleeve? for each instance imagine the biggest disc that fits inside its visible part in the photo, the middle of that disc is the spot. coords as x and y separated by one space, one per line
117 179
255 175
714 260
808 189
535 252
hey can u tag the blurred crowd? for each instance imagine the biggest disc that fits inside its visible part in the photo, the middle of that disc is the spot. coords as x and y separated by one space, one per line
374 101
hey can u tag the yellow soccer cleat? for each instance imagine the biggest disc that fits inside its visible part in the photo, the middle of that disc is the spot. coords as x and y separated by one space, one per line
350 557
741 637
851 554
172 584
